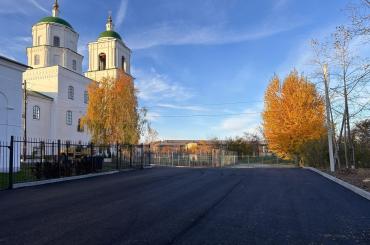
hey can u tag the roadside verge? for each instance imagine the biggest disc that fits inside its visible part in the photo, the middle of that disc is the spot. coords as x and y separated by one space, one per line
51 181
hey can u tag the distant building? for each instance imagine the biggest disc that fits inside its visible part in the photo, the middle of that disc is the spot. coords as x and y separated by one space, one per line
261 148
183 145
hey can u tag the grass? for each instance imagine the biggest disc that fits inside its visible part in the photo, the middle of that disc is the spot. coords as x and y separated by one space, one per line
25 174
21 176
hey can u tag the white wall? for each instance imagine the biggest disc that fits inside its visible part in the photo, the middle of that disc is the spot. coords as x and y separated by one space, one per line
10 104
54 81
77 106
39 129
114 50
43 35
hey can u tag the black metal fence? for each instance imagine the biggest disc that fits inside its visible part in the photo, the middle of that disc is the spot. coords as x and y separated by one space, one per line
33 160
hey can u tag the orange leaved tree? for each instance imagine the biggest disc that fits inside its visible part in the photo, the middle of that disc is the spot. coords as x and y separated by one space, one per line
293 115
112 114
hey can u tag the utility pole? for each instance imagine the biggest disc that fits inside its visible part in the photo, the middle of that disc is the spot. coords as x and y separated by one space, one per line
328 118
24 120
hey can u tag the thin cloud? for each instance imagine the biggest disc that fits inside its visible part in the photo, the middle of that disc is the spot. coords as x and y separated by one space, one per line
153 86
182 107
237 125
37 5
279 4
173 34
121 14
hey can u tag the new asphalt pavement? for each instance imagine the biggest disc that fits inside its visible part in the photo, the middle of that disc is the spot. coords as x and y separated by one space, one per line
187 206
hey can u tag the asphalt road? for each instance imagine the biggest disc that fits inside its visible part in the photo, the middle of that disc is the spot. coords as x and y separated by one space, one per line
187 206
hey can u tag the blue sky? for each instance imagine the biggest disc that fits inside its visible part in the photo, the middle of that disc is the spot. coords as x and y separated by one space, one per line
211 59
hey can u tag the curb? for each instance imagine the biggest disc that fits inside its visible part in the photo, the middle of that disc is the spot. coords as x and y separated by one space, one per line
355 189
51 181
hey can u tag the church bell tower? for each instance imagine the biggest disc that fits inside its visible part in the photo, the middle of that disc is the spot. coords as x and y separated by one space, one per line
108 55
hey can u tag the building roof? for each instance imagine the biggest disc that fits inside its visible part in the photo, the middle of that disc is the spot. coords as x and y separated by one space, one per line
14 62
51 19
112 34
39 95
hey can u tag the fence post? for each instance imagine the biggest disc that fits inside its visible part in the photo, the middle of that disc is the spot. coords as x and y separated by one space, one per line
150 156
130 156
91 155
11 161
142 156
58 157
117 155
172 158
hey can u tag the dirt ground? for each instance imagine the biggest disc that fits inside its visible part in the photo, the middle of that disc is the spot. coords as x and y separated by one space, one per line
357 177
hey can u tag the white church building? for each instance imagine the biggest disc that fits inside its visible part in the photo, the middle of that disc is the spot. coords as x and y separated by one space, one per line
57 94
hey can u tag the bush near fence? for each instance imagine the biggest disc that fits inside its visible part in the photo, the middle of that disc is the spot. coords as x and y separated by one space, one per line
34 160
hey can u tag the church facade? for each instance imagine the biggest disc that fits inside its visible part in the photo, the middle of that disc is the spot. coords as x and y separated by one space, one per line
56 86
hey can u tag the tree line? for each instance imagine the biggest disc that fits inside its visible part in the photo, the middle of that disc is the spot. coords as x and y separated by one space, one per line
295 122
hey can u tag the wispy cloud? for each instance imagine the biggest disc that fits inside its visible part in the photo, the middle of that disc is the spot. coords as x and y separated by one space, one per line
183 34
153 86
121 14
237 125
23 7
37 5
279 4
182 107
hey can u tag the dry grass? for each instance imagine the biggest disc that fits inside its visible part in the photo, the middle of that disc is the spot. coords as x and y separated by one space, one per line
357 177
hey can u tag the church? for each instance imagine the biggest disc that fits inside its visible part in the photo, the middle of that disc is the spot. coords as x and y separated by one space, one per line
57 96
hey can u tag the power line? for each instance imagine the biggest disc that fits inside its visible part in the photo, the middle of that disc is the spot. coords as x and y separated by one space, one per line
211 104
208 115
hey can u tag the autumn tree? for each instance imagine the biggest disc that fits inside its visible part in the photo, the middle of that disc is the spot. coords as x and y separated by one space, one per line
293 115
112 112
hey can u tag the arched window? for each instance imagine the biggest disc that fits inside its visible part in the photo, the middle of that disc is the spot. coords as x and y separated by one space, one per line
80 127
37 60
36 112
102 61
56 41
123 64
71 92
69 117
74 65
86 97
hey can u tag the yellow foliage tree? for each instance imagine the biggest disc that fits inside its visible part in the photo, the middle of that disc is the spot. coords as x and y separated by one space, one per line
112 114
293 115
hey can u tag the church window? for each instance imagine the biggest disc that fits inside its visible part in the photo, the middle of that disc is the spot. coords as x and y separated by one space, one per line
123 64
71 92
102 61
86 97
37 59
74 65
39 40
56 41
69 118
80 127
36 112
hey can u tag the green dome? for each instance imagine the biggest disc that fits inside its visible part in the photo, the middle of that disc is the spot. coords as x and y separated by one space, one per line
58 20
110 34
